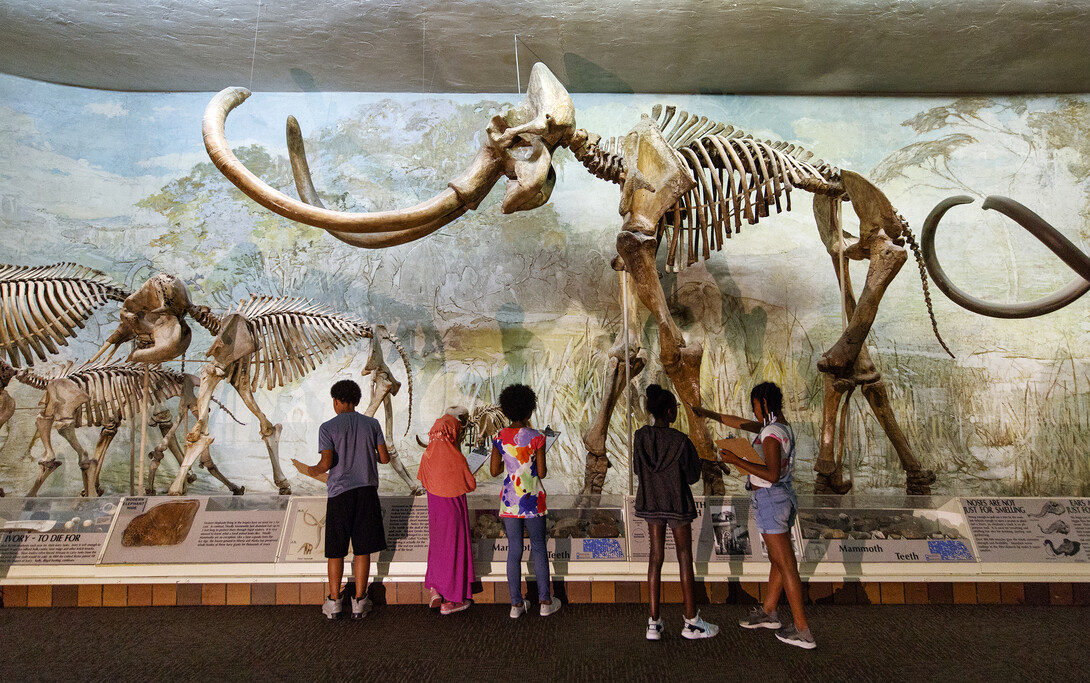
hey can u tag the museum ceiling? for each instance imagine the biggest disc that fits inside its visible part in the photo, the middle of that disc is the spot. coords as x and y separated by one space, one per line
675 46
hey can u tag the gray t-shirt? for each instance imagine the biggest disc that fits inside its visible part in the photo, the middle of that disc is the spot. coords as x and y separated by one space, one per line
354 439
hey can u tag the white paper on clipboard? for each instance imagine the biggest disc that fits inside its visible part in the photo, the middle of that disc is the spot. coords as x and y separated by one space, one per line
550 438
477 457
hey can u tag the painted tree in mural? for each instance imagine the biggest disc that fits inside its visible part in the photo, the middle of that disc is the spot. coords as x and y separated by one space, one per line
686 182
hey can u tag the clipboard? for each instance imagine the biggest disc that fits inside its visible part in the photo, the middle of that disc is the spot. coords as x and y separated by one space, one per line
477 457
550 437
741 448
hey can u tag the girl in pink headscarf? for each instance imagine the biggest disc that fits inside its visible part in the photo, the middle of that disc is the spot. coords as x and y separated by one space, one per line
447 479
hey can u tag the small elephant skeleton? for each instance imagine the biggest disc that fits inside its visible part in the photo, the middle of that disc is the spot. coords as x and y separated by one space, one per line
104 396
276 339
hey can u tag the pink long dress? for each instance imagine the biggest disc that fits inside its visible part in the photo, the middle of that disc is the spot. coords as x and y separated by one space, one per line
446 477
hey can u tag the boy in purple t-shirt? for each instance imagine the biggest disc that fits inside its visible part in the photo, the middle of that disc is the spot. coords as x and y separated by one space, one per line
351 446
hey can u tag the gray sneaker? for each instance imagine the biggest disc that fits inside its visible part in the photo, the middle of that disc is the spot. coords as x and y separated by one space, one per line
792 636
551 608
332 608
361 607
758 618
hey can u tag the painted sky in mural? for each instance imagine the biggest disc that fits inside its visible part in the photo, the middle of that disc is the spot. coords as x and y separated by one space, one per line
121 182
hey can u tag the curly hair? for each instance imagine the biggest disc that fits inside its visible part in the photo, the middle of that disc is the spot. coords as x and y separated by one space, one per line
769 396
659 401
347 391
518 402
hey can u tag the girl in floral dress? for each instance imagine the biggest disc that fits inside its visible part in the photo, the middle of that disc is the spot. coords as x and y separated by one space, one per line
519 451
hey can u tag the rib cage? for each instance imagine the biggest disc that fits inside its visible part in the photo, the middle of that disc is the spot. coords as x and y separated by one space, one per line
114 390
43 305
736 177
293 336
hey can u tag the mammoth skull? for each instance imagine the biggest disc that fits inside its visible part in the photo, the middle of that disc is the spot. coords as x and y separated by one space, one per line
517 144
153 316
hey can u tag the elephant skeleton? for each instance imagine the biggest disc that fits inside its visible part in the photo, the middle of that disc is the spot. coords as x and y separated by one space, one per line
275 341
41 307
686 182
104 396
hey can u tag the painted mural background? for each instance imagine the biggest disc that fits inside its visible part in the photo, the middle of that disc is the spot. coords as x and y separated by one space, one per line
121 182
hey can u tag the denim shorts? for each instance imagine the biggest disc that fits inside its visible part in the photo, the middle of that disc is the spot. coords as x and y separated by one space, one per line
774 509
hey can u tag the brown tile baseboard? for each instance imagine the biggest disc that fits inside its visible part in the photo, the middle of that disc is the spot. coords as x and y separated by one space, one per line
577 592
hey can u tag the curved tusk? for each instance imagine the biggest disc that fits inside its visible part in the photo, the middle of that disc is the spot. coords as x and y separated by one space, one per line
304 185
215 141
1039 228
381 240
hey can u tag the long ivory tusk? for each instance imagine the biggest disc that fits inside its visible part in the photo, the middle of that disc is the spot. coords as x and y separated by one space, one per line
215 141
1040 229
304 185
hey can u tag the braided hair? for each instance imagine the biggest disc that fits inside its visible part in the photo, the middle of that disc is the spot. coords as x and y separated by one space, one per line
769 397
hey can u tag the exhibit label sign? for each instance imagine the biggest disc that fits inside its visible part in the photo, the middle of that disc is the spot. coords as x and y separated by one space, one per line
1029 529
196 530
54 531
890 535
405 519
574 532
722 531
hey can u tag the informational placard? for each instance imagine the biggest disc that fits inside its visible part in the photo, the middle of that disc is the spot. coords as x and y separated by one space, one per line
404 518
884 534
578 529
54 531
196 530
1029 529
723 531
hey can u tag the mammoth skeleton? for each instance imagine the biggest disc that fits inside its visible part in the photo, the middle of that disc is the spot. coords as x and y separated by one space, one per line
686 183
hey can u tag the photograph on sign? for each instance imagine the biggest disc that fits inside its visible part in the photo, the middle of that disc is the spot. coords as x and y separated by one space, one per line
54 531
730 530
723 531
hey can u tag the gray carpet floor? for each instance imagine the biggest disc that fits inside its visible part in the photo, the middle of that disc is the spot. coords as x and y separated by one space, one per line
580 643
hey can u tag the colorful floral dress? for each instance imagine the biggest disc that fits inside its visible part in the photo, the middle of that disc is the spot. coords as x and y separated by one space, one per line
522 494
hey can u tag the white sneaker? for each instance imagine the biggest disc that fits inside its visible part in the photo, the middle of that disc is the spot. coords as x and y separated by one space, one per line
654 629
518 610
361 607
332 608
698 628
551 608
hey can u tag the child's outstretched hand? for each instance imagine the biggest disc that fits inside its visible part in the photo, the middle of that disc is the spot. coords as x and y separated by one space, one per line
704 412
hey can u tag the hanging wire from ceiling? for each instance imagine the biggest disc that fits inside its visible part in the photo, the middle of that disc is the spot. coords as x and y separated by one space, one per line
518 74
253 57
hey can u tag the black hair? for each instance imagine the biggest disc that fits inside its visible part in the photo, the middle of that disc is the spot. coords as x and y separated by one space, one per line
659 401
769 396
346 391
517 402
